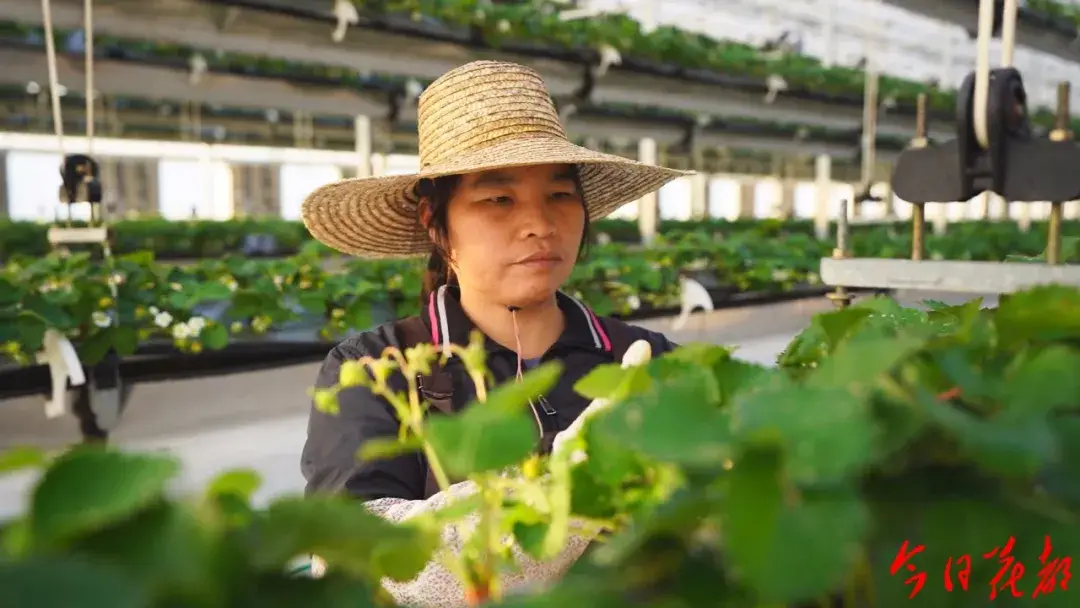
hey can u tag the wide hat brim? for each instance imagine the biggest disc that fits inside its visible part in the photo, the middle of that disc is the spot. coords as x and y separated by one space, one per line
376 217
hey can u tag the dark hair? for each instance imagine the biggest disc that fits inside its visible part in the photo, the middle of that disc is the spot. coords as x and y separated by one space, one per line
438 192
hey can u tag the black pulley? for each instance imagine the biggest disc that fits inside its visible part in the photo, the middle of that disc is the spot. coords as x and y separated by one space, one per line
81 180
1016 164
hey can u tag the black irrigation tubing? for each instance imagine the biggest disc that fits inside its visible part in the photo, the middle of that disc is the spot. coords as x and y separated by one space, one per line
159 360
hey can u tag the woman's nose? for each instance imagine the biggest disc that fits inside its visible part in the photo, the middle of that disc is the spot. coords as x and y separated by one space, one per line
536 218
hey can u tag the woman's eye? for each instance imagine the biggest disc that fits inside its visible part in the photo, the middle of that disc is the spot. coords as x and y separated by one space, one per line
500 200
562 195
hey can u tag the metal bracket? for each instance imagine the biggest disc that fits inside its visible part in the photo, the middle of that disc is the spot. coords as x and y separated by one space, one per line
91 235
693 296
945 275
100 404
583 94
64 367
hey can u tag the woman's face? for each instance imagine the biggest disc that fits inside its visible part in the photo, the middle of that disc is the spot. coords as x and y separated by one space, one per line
514 233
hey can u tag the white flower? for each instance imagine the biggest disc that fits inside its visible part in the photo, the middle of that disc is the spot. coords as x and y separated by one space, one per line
229 282
780 275
196 324
278 280
154 310
161 318
101 319
503 26
116 279
260 323
176 286
634 302
181 331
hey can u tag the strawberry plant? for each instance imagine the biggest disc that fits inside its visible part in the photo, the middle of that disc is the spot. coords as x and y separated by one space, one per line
893 454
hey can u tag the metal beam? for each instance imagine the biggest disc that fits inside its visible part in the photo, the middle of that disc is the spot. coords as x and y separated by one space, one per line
965 13
939 275
699 98
169 84
268 34
139 80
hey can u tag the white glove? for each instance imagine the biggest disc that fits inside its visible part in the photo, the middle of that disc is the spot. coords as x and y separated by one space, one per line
640 352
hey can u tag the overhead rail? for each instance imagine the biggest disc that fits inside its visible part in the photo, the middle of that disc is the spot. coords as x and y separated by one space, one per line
282 35
172 83
1036 29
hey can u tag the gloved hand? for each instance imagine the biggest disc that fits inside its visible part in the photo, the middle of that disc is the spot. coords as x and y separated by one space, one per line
639 353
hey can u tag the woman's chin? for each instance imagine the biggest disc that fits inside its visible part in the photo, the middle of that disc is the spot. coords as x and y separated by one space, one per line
532 293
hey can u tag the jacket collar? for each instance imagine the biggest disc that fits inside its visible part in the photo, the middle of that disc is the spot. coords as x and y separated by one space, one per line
448 323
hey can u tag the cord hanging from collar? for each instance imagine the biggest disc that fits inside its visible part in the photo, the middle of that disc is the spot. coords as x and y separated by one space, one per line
517 339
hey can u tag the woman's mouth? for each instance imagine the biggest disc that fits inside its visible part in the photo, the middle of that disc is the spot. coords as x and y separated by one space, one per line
540 260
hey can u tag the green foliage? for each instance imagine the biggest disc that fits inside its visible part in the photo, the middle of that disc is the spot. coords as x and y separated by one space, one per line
160 301
952 429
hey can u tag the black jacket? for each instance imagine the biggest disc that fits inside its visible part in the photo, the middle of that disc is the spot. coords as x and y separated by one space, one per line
329 461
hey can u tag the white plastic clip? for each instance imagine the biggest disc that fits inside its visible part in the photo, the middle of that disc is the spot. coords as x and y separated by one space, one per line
693 296
346 14
58 352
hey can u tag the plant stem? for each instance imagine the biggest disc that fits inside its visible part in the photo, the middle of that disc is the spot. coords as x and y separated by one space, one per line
415 416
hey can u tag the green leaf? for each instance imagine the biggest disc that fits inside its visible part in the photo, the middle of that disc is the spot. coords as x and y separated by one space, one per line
494 434
384 448
1012 446
1045 381
9 293
53 314
215 336
242 483
92 350
89 488
1044 313
67 581
821 337
611 382
330 591
857 364
677 420
788 545
531 537
515 396
346 536
22 457
1062 478
209 291
124 339
178 562
826 433
602 381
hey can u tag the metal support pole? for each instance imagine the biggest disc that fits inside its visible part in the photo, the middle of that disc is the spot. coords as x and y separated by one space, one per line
822 194
869 134
918 211
362 126
1061 132
648 205
840 296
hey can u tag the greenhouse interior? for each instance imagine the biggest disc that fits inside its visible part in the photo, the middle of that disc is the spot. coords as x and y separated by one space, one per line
539 303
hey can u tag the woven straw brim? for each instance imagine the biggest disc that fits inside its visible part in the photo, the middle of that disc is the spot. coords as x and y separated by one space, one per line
377 217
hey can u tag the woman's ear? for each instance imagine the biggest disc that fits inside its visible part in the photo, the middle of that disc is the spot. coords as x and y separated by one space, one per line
424 212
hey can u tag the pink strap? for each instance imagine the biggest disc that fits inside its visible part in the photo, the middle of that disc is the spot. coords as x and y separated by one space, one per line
599 330
434 322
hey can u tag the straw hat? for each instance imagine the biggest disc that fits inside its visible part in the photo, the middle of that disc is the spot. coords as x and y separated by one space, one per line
480 116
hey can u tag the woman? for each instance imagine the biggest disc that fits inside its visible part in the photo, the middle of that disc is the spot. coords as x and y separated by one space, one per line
502 205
